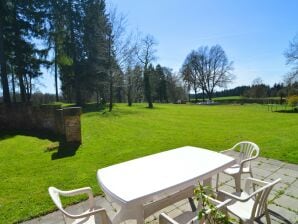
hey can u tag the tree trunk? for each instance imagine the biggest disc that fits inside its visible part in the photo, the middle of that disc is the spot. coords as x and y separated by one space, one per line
196 95
110 73
56 74
78 91
22 88
97 98
129 92
111 93
28 88
74 55
4 79
13 86
19 64
147 89
129 98
209 94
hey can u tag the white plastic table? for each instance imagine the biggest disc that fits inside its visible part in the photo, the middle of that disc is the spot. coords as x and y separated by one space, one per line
135 183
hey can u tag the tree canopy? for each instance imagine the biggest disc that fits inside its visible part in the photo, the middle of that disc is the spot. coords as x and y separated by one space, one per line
206 69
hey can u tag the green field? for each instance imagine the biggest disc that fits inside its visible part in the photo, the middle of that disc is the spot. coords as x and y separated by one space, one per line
27 168
228 98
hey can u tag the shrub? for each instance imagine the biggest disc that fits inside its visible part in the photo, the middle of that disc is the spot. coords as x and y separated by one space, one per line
293 100
209 211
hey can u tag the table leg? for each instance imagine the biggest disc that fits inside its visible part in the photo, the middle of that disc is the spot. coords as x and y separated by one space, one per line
207 182
140 217
129 213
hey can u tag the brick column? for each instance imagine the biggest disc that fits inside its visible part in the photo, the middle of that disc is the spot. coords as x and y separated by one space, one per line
72 124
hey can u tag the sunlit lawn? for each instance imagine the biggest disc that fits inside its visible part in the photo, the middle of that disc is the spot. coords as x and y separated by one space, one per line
27 169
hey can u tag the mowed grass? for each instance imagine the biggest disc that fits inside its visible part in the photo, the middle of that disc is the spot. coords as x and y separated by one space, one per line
27 169
228 98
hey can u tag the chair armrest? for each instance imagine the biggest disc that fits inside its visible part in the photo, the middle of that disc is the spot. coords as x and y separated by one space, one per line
234 197
256 181
165 219
245 161
218 203
87 214
224 203
84 190
233 148
227 150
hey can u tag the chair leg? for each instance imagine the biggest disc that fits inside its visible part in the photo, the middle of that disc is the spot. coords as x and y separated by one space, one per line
237 182
268 220
251 174
253 186
217 182
64 218
192 204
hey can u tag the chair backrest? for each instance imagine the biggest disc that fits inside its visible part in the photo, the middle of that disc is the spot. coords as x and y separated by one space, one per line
54 193
260 195
92 215
247 150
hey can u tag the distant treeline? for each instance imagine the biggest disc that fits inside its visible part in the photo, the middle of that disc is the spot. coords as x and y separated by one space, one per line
258 91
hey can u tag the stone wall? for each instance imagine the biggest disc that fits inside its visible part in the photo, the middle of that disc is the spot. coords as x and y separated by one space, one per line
63 122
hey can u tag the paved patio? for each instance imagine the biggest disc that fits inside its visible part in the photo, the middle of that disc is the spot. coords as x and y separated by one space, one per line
283 199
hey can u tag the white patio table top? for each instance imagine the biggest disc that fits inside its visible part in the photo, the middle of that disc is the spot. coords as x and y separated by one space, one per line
134 183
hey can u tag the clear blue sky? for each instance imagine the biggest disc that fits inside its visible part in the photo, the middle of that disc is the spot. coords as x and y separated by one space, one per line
254 33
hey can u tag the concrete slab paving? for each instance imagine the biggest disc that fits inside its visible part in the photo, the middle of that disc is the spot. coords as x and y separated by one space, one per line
292 191
283 199
283 215
287 202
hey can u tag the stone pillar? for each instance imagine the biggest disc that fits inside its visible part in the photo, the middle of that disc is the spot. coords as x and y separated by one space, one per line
59 122
72 124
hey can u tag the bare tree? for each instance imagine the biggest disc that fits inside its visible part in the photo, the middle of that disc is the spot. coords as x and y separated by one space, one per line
218 70
146 55
122 49
209 68
291 55
199 61
258 89
190 74
128 64
292 52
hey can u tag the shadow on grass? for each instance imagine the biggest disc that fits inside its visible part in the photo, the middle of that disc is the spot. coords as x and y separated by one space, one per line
102 111
61 148
30 133
288 111
93 107
65 150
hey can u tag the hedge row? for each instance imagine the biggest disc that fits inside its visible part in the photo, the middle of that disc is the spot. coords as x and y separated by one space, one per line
246 100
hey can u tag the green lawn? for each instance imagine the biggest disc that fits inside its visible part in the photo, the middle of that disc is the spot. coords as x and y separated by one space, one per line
27 169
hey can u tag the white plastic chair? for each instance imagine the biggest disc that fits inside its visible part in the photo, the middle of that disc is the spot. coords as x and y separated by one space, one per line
250 205
192 217
91 216
248 151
